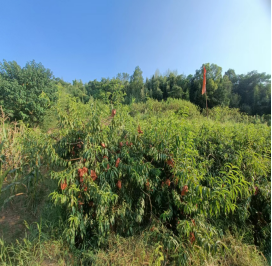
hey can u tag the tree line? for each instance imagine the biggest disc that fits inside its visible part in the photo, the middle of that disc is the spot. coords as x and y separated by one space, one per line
27 92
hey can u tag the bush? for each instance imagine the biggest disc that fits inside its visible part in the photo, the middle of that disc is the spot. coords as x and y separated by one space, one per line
180 107
119 176
225 114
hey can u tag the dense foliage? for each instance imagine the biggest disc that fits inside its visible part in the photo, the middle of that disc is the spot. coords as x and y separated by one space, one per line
251 92
26 93
136 159
185 178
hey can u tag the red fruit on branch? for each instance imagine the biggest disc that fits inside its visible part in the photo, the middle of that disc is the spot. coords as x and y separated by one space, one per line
117 162
113 112
79 201
119 184
85 188
192 238
84 160
147 185
80 173
168 182
93 175
184 190
193 221
170 162
105 157
103 145
121 144
139 130
63 185
108 166
127 143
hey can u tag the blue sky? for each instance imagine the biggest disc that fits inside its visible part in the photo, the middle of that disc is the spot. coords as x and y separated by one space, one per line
93 39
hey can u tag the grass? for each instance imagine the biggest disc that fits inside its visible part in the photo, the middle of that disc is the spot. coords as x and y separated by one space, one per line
126 251
121 251
236 253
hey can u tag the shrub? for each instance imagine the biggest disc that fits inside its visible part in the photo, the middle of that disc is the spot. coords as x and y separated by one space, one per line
180 107
119 176
224 114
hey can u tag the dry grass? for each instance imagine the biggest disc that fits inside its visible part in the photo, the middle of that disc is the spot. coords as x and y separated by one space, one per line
18 210
237 254
32 254
127 251
9 138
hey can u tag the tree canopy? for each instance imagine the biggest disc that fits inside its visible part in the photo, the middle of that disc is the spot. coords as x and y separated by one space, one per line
26 93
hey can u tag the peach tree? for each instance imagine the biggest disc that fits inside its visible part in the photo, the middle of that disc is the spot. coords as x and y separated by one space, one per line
120 175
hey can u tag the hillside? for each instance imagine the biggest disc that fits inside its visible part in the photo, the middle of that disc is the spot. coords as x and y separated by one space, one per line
153 183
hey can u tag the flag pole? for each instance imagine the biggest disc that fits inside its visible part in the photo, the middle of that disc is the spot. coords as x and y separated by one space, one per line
204 88
206 102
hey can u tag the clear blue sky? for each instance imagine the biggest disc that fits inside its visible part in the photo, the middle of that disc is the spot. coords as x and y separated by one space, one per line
93 39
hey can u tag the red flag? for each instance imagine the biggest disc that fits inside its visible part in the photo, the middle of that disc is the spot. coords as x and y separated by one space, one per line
204 81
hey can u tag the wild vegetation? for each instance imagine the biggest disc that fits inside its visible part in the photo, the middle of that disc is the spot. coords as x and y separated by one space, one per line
26 93
112 181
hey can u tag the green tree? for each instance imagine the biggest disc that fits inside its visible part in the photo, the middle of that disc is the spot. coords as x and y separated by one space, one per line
136 86
255 90
26 93
218 87
108 90
222 95
235 100
232 76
